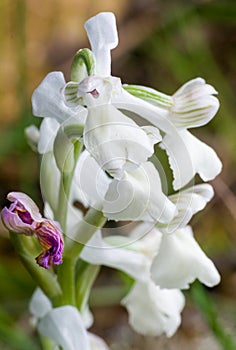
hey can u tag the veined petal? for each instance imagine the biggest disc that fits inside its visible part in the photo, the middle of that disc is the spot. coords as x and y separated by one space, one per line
64 326
180 261
98 252
47 100
193 104
188 202
153 311
114 139
138 196
189 156
103 37
71 94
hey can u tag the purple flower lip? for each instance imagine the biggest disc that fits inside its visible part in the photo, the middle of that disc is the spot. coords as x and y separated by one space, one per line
51 240
23 217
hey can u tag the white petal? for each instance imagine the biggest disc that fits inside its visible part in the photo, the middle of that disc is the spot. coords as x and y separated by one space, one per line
48 131
103 37
189 156
90 181
98 252
181 260
114 139
47 99
188 203
138 196
39 305
153 311
194 104
65 327
146 239
97 343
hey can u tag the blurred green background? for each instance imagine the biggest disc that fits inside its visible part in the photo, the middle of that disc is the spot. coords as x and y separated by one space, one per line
162 44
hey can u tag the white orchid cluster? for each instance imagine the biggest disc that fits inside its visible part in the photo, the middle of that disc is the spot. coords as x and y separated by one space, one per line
98 143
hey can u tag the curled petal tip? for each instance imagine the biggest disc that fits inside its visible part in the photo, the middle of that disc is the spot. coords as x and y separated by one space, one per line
22 214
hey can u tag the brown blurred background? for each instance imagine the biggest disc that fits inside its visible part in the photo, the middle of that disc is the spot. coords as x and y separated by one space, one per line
162 44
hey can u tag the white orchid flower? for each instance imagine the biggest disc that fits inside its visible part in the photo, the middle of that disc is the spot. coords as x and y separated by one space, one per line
63 325
111 137
180 261
154 311
138 196
191 106
159 311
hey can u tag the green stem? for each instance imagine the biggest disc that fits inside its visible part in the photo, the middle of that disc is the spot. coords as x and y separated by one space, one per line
65 186
61 214
86 275
91 222
45 279
46 343
66 272
66 278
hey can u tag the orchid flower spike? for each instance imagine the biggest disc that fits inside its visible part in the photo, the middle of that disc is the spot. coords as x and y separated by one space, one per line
23 217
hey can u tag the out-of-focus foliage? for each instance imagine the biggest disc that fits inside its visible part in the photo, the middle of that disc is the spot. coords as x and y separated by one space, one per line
162 44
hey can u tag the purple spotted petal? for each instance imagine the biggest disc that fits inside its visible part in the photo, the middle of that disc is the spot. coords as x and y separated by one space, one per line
50 238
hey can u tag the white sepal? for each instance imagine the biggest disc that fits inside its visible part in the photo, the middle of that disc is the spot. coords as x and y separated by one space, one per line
138 196
181 260
103 37
189 156
65 327
90 182
153 311
48 101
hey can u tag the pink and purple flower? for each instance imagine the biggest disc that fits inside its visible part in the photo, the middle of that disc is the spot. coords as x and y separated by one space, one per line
23 217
